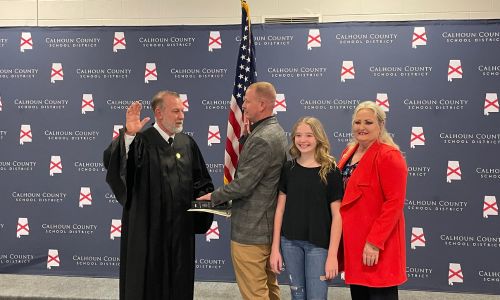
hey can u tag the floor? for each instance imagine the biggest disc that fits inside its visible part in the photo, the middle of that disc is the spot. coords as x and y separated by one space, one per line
84 288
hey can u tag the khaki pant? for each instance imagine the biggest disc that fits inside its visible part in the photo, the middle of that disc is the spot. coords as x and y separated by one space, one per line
255 279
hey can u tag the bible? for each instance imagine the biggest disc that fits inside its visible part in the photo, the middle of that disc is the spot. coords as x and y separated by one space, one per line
223 209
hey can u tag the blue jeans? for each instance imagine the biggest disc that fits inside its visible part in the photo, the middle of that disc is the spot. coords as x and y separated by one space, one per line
305 263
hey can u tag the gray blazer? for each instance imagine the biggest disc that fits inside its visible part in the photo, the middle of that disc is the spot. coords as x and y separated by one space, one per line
254 189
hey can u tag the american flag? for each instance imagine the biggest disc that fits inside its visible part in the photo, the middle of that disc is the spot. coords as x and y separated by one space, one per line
245 76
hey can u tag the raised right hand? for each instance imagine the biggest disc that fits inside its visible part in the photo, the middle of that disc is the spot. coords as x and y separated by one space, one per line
133 121
246 126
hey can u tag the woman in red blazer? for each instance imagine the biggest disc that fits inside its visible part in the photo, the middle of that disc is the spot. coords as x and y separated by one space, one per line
372 208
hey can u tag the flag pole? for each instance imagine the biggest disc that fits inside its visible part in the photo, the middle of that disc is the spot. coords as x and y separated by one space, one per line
245 75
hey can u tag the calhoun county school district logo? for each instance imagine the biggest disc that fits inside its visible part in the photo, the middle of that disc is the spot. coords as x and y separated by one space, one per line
455 70
151 73
490 206
347 71
419 37
214 41
26 41
213 233
455 274
417 137
23 227
453 171
491 103
85 197
87 103
116 229
119 42
313 39
185 102
279 103
25 135
53 259
213 135
382 100
55 166
56 72
417 238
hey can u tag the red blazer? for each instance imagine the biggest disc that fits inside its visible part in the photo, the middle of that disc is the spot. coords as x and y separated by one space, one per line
372 211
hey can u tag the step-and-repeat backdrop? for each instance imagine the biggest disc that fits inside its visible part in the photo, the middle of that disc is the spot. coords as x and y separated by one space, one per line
64 92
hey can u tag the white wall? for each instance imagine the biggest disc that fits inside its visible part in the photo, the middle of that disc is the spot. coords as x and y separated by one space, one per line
168 12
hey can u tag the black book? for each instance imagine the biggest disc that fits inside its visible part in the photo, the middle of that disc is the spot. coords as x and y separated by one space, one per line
223 209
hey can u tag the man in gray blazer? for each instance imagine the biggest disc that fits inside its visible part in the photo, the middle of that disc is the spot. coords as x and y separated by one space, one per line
254 191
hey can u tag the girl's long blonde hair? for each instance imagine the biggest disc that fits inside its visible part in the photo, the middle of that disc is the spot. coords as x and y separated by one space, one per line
322 151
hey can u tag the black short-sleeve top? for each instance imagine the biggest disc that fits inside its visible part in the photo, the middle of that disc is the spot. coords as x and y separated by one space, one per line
307 215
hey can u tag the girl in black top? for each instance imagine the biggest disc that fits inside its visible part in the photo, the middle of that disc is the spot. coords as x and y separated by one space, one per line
307 223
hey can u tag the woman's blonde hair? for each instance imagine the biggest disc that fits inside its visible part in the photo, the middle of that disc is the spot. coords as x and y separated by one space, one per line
384 137
322 151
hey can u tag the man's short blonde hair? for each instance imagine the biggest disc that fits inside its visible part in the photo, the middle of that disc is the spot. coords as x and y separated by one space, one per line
265 91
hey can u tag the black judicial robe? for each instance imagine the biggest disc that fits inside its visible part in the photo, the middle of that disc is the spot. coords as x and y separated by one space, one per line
155 186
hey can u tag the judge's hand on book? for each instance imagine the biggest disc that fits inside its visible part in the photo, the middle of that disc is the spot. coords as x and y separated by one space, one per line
206 197
133 123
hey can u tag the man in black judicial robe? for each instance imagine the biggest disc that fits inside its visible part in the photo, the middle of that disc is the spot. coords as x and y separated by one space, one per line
155 179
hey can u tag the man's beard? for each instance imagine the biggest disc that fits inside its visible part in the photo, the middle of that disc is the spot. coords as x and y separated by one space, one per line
175 129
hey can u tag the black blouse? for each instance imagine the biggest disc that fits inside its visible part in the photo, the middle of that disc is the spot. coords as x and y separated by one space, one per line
307 215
